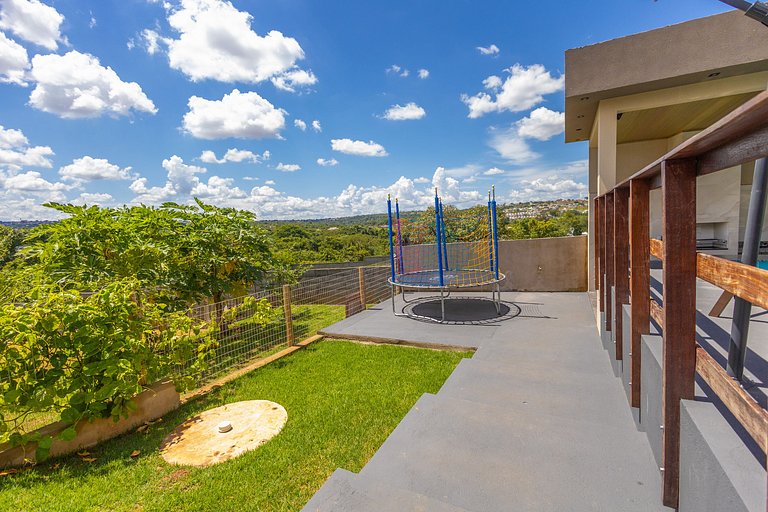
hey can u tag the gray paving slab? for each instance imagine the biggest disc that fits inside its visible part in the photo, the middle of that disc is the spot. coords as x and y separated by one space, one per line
524 386
486 458
536 420
345 491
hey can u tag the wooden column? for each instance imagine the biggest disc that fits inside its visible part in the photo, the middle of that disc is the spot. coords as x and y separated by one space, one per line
640 282
620 262
361 286
601 252
596 243
609 245
678 178
288 315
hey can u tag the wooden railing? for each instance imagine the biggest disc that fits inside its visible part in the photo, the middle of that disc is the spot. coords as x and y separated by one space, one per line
622 262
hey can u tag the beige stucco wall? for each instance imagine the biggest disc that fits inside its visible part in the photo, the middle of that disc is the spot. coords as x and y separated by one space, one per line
544 264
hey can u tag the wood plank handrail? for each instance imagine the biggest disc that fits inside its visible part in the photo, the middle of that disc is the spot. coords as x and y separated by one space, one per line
742 405
745 281
657 248
657 313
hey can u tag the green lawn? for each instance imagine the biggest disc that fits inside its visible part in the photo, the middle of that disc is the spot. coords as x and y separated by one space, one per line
343 399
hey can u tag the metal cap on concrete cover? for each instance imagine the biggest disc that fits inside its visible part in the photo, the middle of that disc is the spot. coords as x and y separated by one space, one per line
223 433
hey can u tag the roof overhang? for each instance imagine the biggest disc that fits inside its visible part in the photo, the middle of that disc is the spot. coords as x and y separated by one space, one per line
710 48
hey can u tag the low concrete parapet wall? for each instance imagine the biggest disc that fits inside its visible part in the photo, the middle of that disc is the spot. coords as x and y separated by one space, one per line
717 471
151 404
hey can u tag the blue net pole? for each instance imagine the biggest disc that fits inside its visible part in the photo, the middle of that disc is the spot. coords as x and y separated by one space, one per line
490 234
438 237
391 248
495 234
399 238
445 234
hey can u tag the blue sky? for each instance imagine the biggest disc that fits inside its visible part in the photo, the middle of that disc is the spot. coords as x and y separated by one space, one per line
292 108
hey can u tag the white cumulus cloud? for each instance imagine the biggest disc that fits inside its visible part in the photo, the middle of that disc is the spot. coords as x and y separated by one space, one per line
233 155
240 115
511 146
524 88
547 188
423 73
215 41
88 168
489 50
288 167
301 125
493 171
409 111
32 21
87 198
358 147
397 70
541 124
330 162
16 153
316 126
76 85
293 79
14 61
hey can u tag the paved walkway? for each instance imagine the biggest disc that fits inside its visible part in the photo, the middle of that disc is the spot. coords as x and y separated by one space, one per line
535 421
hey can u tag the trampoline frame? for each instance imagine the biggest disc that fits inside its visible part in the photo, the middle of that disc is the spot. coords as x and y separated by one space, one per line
491 275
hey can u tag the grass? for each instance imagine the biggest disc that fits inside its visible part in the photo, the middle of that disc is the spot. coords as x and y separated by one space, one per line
343 399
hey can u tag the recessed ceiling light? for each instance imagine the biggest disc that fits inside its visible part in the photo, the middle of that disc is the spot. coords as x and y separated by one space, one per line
578 129
584 98
579 116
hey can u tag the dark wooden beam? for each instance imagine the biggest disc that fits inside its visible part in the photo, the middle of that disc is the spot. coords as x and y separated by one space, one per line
679 287
596 242
609 245
601 251
640 282
620 263
736 152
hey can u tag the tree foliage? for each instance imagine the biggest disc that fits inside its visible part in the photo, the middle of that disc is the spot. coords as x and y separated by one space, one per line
96 306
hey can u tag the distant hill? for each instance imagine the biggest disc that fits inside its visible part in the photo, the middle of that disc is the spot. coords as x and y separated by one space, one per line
376 219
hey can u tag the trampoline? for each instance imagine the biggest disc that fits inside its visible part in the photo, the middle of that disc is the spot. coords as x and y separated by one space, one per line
458 250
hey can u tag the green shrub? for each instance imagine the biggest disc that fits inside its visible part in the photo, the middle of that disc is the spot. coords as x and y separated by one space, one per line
87 356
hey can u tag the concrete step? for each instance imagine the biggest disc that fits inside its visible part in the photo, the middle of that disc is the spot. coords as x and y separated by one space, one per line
578 352
565 393
482 458
346 492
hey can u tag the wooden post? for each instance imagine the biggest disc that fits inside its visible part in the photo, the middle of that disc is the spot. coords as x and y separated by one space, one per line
609 245
596 242
678 178
288 315
601 253
361 286
640 281
620 262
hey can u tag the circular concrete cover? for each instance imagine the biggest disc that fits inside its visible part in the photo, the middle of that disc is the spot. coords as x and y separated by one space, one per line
198 441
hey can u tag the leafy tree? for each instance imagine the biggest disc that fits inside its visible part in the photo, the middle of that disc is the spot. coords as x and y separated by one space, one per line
10 239
86 356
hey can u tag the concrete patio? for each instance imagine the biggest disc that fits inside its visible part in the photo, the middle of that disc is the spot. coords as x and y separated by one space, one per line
535 420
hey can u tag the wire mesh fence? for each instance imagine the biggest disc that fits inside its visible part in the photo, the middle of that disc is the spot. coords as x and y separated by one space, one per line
250 327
